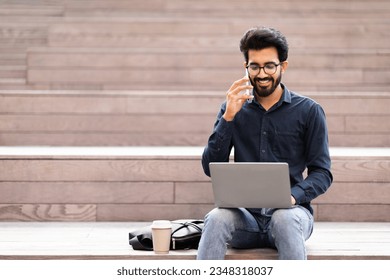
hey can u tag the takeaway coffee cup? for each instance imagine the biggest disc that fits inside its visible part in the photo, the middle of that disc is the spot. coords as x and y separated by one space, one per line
161 235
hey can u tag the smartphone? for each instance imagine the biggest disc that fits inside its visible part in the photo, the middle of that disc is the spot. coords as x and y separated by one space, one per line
248 91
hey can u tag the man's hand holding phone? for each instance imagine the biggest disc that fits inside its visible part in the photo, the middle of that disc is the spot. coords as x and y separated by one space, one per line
236 96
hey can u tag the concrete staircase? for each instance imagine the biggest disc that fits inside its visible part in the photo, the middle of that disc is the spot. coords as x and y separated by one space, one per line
111 88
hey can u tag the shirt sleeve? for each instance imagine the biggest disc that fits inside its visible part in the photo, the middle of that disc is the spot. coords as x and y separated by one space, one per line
317 156
219 144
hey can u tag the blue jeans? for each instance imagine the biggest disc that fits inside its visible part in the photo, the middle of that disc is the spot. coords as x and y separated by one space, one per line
283 229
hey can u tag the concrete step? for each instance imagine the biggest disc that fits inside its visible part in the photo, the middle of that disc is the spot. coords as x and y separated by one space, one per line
36 8
228 8
165 118
147 183
12 72
174 58
91 241
79 39
11 83
12 58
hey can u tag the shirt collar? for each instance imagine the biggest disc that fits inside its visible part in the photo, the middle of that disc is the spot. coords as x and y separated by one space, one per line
286 96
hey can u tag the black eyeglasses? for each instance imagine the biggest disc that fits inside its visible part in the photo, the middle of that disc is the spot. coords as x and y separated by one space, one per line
269 68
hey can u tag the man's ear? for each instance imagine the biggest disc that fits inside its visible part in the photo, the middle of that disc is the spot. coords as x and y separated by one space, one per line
284 66
245 64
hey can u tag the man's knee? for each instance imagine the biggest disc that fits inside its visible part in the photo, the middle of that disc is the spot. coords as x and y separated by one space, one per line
293 220
284 216
219 217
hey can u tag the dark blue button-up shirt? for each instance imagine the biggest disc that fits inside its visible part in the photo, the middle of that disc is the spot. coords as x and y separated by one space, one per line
294 131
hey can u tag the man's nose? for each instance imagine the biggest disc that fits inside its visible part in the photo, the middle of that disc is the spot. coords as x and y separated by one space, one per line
262 73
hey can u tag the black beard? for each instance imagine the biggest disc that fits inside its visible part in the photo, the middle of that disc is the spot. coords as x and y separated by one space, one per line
265 91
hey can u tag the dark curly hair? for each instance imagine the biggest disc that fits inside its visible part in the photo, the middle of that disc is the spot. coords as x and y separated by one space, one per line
258 38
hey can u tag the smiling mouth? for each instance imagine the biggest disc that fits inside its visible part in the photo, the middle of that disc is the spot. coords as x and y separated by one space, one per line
263 81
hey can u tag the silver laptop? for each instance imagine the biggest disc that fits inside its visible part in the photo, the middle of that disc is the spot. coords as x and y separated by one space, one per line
251 184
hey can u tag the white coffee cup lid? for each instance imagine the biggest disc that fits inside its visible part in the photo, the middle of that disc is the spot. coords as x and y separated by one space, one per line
161 224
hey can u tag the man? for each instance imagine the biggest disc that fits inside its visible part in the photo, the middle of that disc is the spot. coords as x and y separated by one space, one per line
273 125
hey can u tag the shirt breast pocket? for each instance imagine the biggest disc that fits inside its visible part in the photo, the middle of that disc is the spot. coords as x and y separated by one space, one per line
287 145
